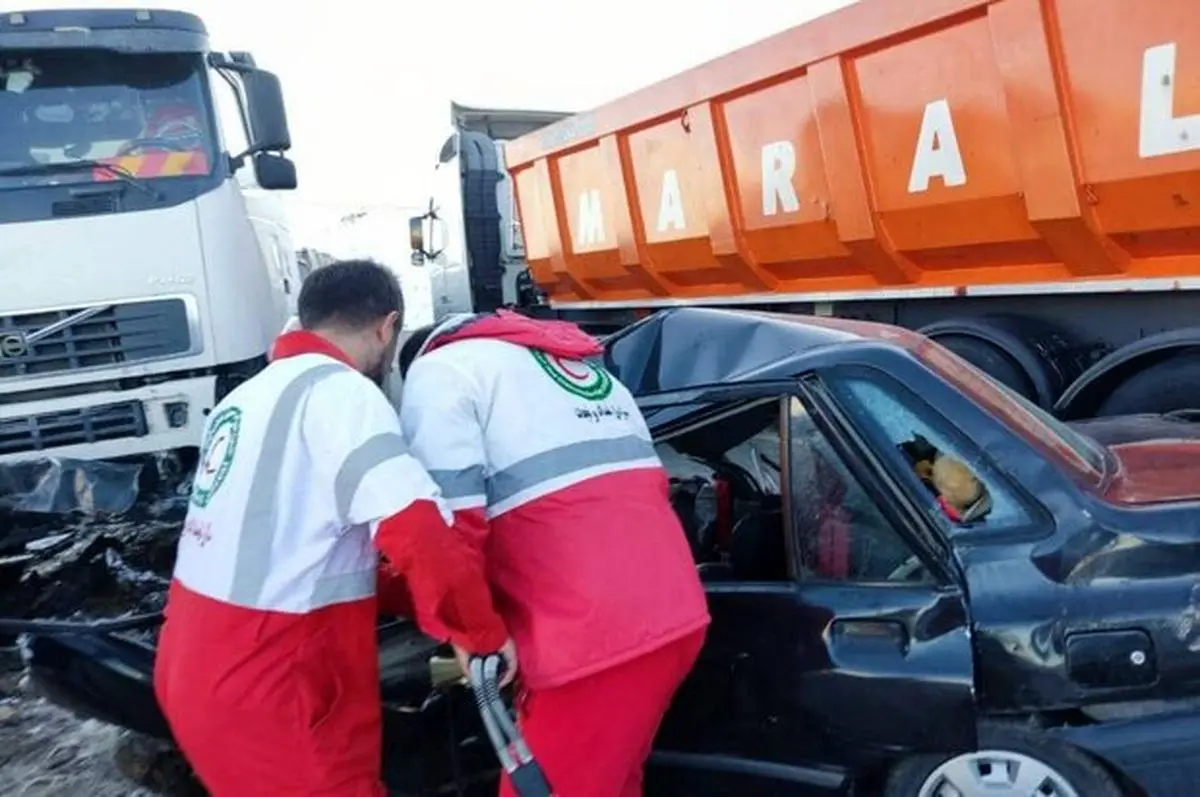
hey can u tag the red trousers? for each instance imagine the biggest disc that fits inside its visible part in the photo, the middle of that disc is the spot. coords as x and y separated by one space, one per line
592 736
266 704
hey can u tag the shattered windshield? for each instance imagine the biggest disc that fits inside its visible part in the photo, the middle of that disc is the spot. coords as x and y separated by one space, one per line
87 115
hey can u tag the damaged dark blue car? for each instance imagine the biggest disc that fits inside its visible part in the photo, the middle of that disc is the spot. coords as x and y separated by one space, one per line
921 585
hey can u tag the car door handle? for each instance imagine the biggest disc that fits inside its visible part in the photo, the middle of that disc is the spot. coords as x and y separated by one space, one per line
860 632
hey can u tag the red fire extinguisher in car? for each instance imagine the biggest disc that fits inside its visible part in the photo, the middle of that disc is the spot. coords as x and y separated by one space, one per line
528 780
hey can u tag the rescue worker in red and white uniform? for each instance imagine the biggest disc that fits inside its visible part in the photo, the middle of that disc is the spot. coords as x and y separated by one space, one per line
267 667
549 467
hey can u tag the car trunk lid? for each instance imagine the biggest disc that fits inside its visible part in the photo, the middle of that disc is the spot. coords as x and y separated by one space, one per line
1155 472
1157 457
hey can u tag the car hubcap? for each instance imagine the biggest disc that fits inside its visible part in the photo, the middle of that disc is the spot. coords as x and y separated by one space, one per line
995 773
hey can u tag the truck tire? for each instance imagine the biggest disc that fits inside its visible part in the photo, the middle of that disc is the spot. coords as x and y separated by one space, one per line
1169 385
1035 357
1011 761
992 361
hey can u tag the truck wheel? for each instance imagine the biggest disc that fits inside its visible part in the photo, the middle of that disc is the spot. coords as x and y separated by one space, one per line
1173 384
1010 762
992 361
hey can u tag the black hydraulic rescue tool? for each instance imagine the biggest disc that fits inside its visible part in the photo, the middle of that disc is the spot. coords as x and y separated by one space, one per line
523 771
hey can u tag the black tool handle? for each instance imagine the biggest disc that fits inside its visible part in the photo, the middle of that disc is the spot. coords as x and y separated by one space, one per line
528 780
523 771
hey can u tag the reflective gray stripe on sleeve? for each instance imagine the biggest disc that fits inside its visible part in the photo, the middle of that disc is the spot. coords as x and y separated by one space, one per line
465 483
563 461
261 518
342 588
362 460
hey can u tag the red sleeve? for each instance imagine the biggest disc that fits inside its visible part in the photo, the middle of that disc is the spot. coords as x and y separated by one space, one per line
473 526
445 578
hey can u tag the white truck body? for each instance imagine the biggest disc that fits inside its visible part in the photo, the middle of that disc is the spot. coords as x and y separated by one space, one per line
120 329
471 237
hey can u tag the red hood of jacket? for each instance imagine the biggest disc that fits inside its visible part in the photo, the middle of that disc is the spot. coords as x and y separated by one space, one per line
558 338
1156 471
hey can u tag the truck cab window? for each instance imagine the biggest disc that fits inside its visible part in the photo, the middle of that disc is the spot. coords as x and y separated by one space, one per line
841 534
229 118
143 113
959 487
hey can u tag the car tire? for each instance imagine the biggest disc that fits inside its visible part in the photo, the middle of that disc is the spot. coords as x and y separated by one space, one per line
1074 772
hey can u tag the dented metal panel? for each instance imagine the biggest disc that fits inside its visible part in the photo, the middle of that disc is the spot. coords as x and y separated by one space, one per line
920 148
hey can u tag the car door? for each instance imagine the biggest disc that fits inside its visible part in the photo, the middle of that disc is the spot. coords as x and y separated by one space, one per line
823 671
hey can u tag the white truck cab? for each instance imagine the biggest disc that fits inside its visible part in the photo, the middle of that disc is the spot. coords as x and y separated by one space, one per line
145 266
470 238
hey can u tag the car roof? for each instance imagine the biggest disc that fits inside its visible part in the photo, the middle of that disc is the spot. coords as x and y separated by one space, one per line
691 346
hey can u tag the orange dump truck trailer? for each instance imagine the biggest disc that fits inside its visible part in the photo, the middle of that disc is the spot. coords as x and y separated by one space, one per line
1019 179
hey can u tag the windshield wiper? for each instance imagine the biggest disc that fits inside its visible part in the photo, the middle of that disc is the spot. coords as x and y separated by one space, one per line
86 164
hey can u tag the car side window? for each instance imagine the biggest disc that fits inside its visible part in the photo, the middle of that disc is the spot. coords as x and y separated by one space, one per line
962 490
841 534
725 486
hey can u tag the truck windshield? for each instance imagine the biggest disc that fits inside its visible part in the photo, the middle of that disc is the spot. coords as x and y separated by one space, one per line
1079 453
132 115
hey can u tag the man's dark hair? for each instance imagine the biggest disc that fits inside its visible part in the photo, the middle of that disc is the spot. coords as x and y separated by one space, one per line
408 352
349 294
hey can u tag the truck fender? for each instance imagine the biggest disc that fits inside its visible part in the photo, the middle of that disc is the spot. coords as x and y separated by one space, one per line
1033 356
1086 394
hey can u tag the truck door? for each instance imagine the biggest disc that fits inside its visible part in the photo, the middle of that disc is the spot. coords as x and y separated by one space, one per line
284 261
839 636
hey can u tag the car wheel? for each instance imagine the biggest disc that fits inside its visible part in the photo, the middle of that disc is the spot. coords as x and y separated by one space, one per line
1010 762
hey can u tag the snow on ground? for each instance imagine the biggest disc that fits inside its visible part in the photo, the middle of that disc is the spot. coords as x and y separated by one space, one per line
88 568
45 751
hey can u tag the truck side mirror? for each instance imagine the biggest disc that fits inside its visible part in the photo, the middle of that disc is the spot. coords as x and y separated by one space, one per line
268 115
416 239
242 57
274 172
429 247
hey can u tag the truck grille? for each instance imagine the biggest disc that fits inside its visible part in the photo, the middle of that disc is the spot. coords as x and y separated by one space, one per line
117 335
72 427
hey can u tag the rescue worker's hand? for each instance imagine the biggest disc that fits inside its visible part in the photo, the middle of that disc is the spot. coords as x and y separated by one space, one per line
507 651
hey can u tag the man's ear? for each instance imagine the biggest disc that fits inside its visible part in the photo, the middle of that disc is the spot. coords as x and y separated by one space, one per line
389 328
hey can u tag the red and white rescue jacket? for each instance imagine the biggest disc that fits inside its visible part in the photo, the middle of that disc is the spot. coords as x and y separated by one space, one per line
271 616
548 465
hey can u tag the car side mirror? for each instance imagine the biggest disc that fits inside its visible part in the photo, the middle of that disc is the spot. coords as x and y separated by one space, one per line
275 172
268 115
